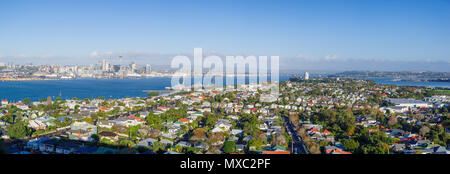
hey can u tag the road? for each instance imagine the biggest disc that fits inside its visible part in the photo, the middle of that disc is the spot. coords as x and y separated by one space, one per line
297 146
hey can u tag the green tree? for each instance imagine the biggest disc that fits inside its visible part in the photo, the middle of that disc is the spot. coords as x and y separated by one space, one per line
350 145
229 147
153 93
18 130
133 132
255 143
154 121
27 101
210 120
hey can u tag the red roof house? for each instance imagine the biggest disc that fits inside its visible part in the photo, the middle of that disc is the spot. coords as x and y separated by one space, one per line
183 120
326 132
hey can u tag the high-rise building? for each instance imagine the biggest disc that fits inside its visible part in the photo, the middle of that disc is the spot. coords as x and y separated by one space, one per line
105 65
306 76
133 67
148 69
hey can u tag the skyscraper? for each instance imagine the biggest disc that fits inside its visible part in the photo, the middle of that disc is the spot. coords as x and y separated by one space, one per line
105 65
133 67
148 69
306 76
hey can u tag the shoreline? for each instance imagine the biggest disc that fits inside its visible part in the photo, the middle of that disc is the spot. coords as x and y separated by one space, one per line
142 77
25 79
11 97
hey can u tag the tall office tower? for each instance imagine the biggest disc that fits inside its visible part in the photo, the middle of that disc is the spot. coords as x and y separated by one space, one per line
306 76
105 65
148 69
133 67
98 66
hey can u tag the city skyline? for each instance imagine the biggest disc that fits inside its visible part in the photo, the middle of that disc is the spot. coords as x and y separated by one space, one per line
312 35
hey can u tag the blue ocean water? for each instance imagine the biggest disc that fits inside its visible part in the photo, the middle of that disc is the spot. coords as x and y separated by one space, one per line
85 88
119 88
81 88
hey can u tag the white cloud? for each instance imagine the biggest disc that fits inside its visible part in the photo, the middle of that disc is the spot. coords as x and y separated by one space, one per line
299 55
94 54
108 53
24 56
21 55
303 58
138 57
331 57
46 56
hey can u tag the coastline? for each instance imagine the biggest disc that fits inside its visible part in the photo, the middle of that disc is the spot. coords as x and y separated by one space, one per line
25 79
16 90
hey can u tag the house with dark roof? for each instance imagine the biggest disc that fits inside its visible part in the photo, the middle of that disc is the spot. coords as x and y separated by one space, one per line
109 135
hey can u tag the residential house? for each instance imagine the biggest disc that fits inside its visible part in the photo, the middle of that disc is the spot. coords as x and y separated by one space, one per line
66 148
82 131
109 135
128 121
184 144
106 124
146 142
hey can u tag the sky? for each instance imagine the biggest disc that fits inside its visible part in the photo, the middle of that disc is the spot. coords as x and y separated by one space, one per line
320 35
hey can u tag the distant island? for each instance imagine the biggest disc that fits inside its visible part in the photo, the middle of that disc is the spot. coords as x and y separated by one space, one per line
425 80
398 76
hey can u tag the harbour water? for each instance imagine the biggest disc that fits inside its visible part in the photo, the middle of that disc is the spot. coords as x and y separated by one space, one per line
80 88
85 88
119 88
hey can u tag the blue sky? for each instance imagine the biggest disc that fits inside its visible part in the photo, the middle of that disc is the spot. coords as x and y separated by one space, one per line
318 32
